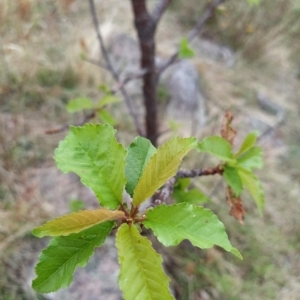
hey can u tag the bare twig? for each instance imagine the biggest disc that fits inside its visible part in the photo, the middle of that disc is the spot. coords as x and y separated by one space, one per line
138 75
159 10
110 67
162 196
271 129
96 63
208 13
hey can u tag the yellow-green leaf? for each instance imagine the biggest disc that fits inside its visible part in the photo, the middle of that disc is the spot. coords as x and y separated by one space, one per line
185 50
252 183
79 104
141 276
161 167
76 222
248 142
108 99
139 153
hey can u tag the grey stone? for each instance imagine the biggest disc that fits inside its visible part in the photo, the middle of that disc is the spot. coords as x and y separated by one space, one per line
186 103
214 51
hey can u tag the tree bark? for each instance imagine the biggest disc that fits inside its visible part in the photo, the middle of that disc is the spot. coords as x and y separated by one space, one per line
145 26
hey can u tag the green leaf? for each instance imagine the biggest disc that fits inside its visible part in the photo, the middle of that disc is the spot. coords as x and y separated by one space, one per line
251 159
162 166
108 99
76 205
92 152
254 2
185 51
59 260
233 179
79 104
252 183
248 143
76 222
104 88
218 147
139 153
182 183
174 223
141 276
193 196
107 118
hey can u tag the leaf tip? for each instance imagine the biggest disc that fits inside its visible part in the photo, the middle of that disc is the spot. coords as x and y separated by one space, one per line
237 253
37 233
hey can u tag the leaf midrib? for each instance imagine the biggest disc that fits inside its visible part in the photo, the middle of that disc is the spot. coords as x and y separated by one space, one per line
99 169
140 263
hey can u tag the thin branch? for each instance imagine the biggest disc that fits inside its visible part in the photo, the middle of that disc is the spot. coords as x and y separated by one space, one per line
111 68
159 10
208 13
65 127
271 129
96 63
162 195
138 75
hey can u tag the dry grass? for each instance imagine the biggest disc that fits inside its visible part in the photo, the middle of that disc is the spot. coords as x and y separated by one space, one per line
41 69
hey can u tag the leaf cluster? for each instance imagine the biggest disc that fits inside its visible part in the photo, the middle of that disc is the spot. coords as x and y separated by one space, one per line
107 168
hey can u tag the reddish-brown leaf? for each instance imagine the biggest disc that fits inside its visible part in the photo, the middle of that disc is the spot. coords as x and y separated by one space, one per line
227 132
236 205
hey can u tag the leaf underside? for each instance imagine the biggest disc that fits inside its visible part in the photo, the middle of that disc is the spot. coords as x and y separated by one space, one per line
161 167
76 222
59 260
174 223
92 152
139 153
141 276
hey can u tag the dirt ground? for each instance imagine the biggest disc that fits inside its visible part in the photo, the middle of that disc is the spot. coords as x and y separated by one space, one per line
42 44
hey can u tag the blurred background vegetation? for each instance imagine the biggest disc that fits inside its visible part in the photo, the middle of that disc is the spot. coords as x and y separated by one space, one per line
41 68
